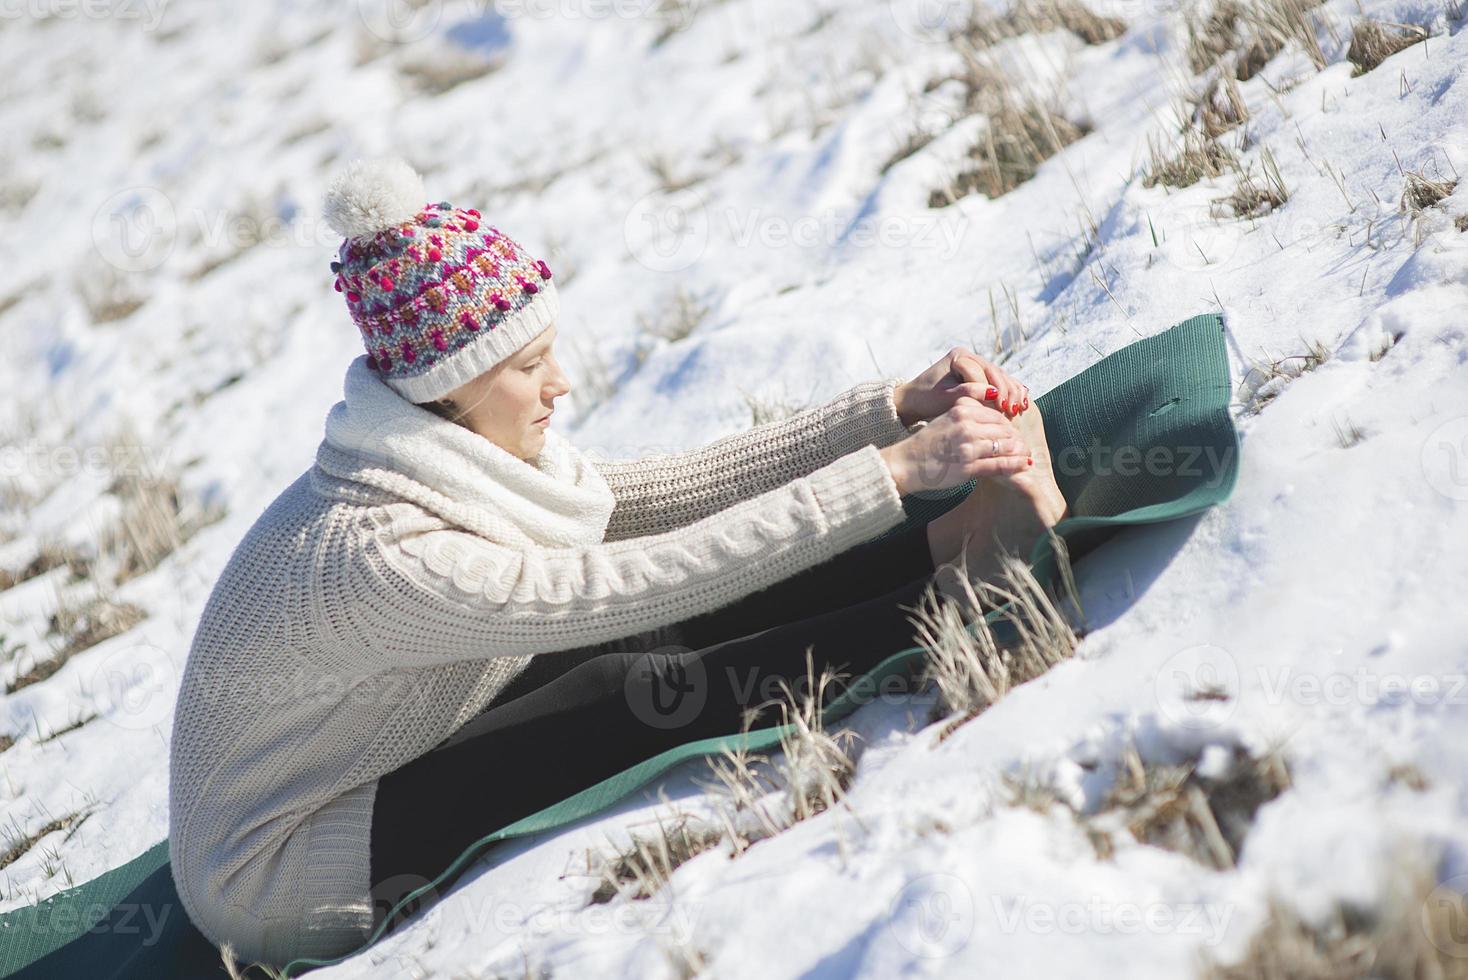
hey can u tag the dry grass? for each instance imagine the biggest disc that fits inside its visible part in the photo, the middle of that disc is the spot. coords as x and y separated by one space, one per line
1266 378
79 627
1461 222
443 70
1037 17
1244 35
1220 107
644 866
970 668
1172 806
50 554
110 294
1204 818
1022 133
1254 197
18 842
754 798
1372 42
1194 157
1421 192
770 408
814 769
1413 933
678 316
157 517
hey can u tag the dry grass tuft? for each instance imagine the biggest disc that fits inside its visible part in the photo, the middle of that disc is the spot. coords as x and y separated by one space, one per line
1022 133
1193 158
1372 42
969 667
1266 378
814 771
1220 107
18 842
1204 818
1172 806
1037 17
644 866
678 317
1415 931
1245 34
1253 198
79 627
1461 222
1422 192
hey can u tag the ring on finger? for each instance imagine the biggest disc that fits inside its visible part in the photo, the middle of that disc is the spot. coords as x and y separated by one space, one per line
996 447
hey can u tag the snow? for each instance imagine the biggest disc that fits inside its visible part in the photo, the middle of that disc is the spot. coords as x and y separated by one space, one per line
1326 596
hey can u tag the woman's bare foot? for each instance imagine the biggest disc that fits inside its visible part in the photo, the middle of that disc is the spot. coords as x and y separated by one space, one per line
1003 513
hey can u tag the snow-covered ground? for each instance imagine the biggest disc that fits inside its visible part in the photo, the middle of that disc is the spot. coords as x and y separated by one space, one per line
146 145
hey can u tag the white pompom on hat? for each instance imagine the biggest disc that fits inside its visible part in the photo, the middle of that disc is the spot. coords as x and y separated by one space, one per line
372 196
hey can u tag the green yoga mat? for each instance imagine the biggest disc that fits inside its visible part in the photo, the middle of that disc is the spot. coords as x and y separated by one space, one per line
1142 436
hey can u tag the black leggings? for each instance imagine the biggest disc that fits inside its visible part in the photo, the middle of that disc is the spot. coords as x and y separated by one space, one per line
576 717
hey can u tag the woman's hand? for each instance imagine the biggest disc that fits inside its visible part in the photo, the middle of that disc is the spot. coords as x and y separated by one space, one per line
968 440
959 374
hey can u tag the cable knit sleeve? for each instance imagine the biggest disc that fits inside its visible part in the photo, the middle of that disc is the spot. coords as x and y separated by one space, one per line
671 490
423 592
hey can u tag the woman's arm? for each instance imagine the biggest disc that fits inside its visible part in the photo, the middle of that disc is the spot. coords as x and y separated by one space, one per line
672 490
421 592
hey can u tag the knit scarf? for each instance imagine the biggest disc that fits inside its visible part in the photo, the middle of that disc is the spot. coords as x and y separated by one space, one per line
377 437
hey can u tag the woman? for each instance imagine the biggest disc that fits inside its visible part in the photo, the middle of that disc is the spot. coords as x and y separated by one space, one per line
392 654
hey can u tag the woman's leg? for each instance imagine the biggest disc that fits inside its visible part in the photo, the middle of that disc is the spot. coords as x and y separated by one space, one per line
862 572
604 715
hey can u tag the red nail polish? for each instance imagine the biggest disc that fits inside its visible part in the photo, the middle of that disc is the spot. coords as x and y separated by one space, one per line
991 393
1004 404
1029 462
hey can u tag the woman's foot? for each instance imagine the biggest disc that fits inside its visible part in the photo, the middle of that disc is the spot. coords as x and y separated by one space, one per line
1003 513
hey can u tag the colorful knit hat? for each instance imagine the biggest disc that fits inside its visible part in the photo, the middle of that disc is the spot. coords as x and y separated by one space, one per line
438 297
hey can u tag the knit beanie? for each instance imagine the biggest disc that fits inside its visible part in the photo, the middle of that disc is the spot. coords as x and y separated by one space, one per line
438 296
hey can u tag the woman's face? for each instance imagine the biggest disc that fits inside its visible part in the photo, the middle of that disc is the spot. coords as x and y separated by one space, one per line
504 403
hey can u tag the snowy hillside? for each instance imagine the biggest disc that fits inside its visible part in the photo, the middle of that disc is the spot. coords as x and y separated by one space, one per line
750 206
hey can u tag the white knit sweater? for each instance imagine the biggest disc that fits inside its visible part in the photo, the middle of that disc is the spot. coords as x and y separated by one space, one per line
388 593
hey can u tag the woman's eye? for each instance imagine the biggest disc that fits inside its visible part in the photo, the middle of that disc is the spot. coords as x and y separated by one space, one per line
532 367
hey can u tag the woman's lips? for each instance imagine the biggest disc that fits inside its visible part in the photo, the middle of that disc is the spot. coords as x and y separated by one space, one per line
544 421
